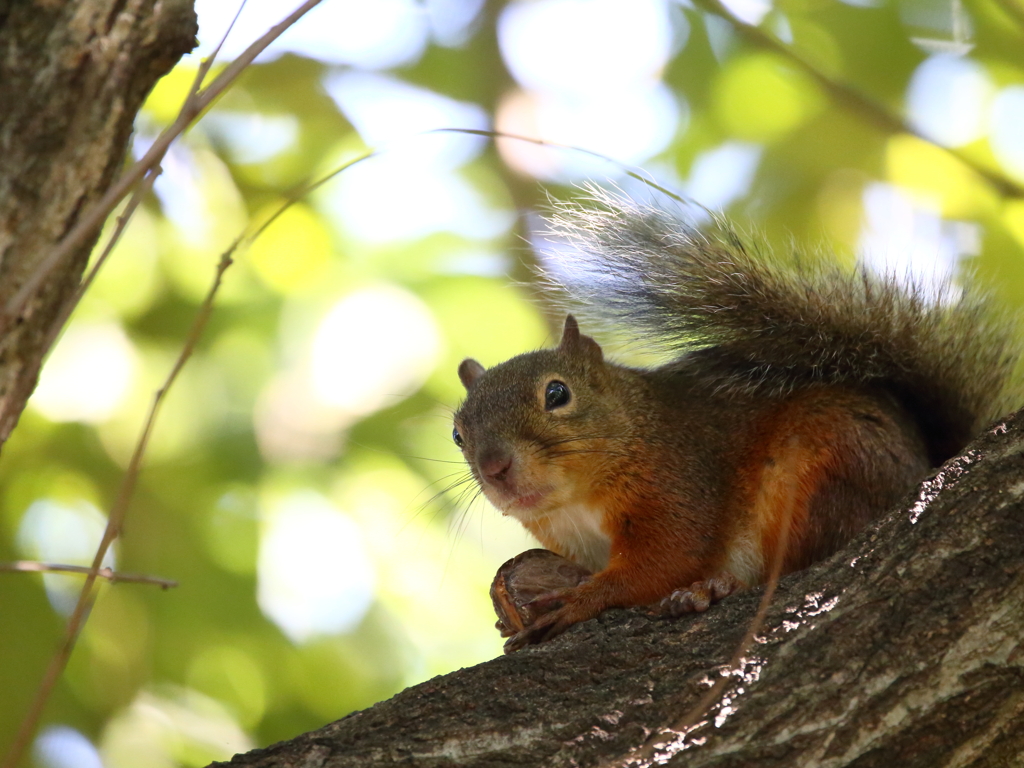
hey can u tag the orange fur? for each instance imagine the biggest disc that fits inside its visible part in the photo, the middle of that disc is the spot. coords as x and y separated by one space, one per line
793 452
791 464
659 484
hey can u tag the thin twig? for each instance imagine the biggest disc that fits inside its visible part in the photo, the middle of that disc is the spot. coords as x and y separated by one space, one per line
306 189
207 63
852 98
94 217
141 190
119 508
72 302
113 529
32 566
303 191
630 170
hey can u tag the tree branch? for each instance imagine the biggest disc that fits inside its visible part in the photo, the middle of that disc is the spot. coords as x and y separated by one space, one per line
72 77
853 99
902 650
31 566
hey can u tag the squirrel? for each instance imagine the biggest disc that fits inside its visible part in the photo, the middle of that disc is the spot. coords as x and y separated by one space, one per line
798 394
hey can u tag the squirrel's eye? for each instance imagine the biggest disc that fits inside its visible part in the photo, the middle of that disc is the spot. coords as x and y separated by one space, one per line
556 394
457 437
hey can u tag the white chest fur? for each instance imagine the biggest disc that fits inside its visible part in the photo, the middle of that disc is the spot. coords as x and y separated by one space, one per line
578 529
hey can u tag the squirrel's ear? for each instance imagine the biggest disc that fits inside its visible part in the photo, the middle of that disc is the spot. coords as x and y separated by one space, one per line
469 371
570 332
573 340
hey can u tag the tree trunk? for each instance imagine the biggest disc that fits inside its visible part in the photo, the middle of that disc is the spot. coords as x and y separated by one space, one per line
905 649
72 77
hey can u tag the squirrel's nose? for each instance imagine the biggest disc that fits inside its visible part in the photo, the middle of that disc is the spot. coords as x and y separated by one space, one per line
496 468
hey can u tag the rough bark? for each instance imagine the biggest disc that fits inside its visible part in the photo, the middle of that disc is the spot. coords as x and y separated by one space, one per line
903 650
72 77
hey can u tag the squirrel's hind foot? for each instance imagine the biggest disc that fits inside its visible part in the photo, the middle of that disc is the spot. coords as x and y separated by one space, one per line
699 596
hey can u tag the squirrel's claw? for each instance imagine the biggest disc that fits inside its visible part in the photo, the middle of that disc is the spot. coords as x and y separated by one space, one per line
699 596
503 629
543 629
544 604
541 607
557 611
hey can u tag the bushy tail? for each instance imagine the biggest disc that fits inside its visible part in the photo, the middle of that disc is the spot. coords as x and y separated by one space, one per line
772 324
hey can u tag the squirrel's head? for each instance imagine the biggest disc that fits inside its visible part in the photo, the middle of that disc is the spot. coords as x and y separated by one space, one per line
533 428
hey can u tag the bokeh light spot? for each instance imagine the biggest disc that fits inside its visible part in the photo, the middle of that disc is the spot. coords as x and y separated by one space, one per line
375 35
68 533
88 374
948 99
934 176
721 175
314 576
392 199
903 238
294 251
178 727
562 45
385 110
372 348
1008 129
758 99
60 746
252 137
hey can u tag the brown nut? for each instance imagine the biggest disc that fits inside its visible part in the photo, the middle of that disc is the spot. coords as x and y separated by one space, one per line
526 576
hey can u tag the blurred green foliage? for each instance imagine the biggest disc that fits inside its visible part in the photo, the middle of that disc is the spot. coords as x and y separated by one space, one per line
304 456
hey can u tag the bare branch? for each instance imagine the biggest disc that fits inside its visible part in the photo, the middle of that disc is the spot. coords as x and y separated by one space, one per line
852 98
113 529
32 566
122 222
95 216
195 103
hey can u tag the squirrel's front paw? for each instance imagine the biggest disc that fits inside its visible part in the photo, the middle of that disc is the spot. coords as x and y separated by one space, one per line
699 596
557 611
522 582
